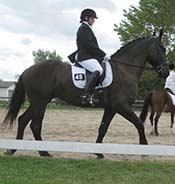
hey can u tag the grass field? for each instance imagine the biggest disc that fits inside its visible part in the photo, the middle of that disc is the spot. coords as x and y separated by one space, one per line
34 170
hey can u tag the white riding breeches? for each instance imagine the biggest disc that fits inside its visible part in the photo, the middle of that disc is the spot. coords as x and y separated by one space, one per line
92 65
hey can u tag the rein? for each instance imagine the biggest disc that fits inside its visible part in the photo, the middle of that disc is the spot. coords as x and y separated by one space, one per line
132 65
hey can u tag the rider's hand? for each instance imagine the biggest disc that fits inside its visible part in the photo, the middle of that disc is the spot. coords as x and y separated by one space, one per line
107 57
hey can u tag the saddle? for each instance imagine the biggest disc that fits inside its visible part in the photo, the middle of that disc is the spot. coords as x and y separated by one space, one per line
80 76
170 106
169 91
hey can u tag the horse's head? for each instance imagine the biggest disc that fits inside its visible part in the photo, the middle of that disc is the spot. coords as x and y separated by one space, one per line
157 57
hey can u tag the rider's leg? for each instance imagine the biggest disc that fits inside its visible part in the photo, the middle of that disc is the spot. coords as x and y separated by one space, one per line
93 66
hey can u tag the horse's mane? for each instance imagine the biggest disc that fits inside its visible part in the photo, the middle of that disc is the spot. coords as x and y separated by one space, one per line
123 49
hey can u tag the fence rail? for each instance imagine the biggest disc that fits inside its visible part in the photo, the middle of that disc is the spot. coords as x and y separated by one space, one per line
138 104
4 98
79 147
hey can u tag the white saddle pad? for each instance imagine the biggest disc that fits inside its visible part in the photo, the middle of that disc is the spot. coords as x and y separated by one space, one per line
79 76
172 97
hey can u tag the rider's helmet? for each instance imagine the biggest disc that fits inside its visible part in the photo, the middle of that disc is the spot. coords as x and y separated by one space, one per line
87 13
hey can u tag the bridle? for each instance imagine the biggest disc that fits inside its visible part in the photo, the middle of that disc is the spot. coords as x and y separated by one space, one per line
132 65
157 68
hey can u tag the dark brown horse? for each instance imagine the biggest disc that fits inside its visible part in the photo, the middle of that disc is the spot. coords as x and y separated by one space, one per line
49 79
158 101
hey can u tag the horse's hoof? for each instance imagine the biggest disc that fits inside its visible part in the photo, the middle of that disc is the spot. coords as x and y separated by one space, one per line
44 154
144 142
151 133
8 152
100 156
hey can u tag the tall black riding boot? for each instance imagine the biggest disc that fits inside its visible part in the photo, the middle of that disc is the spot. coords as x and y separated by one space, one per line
86 98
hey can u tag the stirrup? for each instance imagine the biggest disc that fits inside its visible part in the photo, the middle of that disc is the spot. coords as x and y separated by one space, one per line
86 99
89 100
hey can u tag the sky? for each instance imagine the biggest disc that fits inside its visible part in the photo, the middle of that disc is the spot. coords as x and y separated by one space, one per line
26 26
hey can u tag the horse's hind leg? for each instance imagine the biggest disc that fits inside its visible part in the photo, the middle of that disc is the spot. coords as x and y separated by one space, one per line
36 125
158 114
23 120
151 118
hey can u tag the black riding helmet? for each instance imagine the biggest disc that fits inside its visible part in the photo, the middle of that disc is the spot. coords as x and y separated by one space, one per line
87 13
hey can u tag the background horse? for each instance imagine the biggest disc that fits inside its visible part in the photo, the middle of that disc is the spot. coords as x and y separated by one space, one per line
49 79
157 100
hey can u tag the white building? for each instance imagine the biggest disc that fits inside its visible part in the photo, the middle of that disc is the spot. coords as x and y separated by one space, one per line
6 89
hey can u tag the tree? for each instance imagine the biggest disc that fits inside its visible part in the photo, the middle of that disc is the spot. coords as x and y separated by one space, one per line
41 55
150 16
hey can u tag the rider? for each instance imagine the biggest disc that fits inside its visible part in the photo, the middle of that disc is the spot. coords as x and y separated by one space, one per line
89 55
170 80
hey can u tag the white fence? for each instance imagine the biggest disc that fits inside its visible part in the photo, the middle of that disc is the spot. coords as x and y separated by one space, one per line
4 98
128 149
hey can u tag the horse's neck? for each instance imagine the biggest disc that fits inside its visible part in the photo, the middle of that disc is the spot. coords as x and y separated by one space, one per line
132 61
132 71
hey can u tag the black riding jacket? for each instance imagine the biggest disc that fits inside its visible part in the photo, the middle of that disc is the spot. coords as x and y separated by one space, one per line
87 44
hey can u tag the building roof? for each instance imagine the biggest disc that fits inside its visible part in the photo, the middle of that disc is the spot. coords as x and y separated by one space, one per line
6 84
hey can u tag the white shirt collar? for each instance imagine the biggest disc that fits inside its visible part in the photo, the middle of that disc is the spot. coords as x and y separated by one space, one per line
87 24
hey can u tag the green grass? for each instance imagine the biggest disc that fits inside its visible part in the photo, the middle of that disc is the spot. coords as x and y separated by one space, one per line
31 170
3 104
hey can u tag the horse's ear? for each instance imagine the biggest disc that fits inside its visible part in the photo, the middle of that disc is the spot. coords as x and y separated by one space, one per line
160 34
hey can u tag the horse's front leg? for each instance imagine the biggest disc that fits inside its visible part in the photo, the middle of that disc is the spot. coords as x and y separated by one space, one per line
128 113
107 117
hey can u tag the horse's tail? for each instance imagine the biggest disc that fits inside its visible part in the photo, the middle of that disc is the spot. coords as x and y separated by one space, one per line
16 101
145 107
